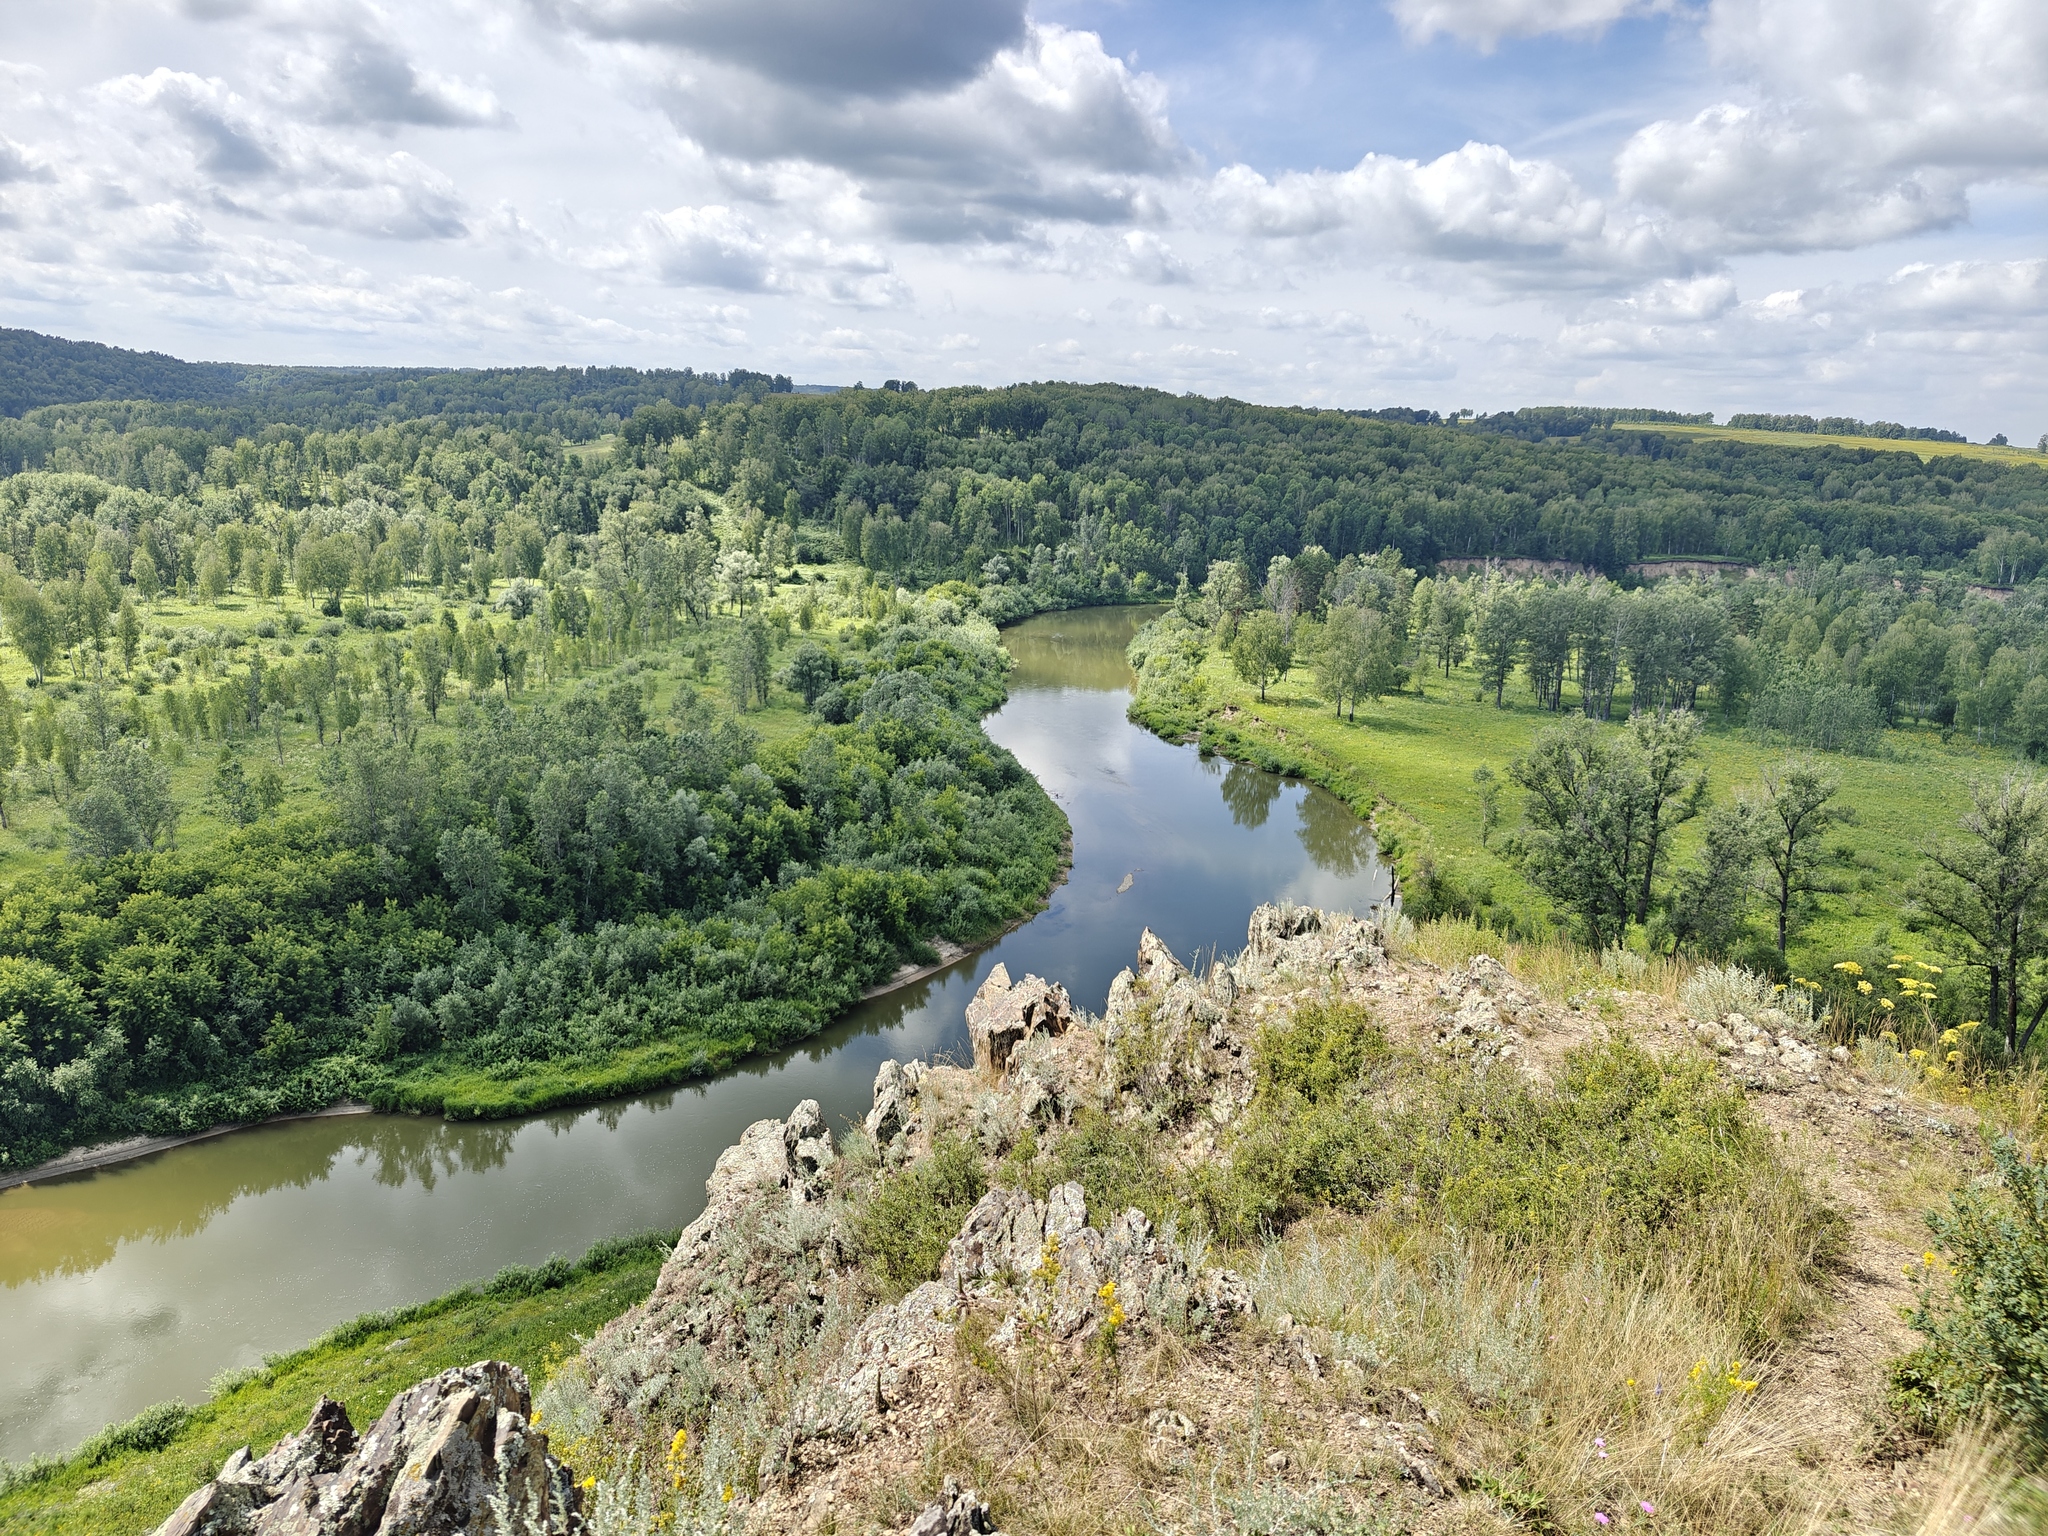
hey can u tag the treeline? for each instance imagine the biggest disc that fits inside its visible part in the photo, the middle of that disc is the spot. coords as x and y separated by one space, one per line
1843 426
42 371
1826 655
1041 495
565 883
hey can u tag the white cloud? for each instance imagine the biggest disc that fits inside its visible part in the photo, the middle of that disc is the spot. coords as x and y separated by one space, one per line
1051 129
1477 204
274 171
1487 22
1873 120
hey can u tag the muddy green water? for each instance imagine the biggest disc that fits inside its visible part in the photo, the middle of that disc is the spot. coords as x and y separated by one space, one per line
138 1283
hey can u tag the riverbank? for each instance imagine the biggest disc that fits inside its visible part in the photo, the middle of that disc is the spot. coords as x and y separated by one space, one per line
109 1154
1407 763
129 1477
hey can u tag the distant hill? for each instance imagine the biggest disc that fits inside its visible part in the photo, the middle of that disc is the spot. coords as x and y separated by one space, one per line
47 370
38 371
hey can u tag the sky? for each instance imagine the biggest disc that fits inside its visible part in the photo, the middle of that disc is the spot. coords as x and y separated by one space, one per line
1829 206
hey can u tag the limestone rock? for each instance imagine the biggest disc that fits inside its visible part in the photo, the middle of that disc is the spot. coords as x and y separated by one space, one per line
958 1512
430 1466
1287 940
1002 1016
895 1101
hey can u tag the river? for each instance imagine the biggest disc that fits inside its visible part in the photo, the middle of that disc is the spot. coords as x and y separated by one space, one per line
139 1282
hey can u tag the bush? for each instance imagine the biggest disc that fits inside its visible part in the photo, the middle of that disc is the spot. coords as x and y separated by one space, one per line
903 1225
1987 1329
150 1430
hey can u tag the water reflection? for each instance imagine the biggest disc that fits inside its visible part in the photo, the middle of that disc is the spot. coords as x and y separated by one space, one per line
138 1283
1250 794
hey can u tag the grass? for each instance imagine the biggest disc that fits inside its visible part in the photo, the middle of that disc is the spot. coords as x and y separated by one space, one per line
528 1316
35 843
1926 452
1408 763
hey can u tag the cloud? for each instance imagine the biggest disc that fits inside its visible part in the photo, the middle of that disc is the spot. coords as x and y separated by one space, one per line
867 48
1486 22
1050 129
718 247
357 78
270 171
1478 204
1873 120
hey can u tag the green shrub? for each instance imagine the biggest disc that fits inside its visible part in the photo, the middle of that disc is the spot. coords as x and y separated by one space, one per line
1325 1049
1987 1329
906 1219
150 1430
1624 1145
1117 1167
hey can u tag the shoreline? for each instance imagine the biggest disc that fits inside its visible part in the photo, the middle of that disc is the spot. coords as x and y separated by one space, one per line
107 1154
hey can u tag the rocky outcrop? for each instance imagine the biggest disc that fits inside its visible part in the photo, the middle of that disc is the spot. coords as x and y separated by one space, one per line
958 1512
1753 1046
434 1464
1002 1016
1032 1264
774 1164
895 1103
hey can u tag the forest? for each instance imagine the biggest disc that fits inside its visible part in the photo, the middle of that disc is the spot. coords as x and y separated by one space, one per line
478 741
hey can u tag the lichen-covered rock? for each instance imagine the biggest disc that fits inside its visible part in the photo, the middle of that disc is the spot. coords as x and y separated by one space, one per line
894 1112
1003 1015
432 1465
957 1512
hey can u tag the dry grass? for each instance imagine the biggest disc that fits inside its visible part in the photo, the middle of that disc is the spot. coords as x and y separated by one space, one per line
1555 967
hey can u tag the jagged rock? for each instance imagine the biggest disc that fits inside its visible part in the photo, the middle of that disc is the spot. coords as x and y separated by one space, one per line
1003 1016
1157 966
958 1512
430 1466
1306 942
895 1102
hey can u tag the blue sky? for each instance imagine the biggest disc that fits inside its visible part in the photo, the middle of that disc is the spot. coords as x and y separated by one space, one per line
1834 206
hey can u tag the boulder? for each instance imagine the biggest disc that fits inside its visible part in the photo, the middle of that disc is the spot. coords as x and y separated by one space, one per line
1002 1016
956 1512
430 1466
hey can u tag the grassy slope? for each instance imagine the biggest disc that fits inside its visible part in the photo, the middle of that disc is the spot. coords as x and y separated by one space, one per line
1409 760
1926 452
134 1491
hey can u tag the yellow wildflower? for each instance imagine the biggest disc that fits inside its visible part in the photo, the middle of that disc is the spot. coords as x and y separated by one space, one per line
1933 970
1863 987
726 1493
1954 1056
1972 1024
590 1485
1108 1291
1884 1002
1850 966
1917 1054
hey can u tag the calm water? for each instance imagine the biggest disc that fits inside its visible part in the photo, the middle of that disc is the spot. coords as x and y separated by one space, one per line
138 1283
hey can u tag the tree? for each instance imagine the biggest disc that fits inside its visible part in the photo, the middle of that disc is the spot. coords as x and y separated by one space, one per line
1709 903
126 806
324 565
1794 809
32 624
1260 652
1497 636
1670 746
128 630
1227 594
811 671
1443 628
1987 891
430 659
1340 658
1582 844
746 664
1488 787
148 580
472 863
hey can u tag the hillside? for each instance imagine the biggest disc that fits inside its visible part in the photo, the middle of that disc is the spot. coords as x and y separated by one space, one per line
1201 1266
